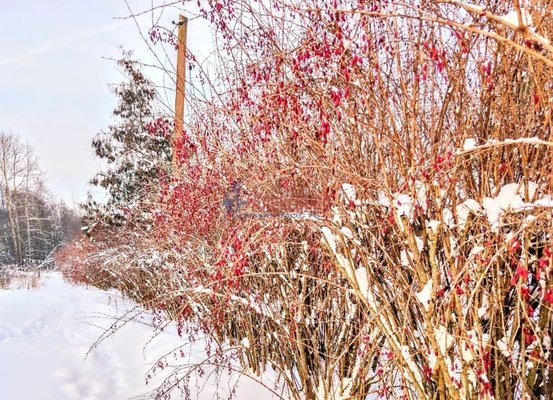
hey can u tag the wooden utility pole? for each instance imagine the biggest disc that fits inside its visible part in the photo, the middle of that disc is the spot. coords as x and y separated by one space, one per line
179 93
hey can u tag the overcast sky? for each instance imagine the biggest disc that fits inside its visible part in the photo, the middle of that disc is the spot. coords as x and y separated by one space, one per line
54 78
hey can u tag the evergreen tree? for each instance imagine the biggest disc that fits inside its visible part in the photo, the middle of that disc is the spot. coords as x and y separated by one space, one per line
136 148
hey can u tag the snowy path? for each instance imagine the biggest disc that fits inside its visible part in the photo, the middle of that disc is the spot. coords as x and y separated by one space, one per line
45 334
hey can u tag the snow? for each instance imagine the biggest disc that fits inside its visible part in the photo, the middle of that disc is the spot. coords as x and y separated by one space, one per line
345 263
362 280
404 205
410 363
432 359
245 342
483 309
339 390
329 237
422 199
507 142
449 220
503 347
45 334
546 201
472 7
467 353
469 144
419 242
464 209
433 225
546 343
510 198
405 258
346 232
424 295
348 192
346 43
511 19
383 199
443 338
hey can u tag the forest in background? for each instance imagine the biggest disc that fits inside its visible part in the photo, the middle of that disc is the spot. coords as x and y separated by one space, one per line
33 222
360 201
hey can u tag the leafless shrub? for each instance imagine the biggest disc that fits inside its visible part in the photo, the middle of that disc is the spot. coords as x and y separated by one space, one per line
387 169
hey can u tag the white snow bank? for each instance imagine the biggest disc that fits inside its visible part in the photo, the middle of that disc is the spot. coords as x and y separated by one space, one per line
45 334
510 198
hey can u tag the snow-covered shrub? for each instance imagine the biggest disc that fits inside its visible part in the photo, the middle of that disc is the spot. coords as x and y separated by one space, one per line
392 168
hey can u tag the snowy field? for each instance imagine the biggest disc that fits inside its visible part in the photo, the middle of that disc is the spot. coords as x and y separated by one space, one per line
46 332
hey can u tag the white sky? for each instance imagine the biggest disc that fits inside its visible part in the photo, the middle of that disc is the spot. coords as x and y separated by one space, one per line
54 78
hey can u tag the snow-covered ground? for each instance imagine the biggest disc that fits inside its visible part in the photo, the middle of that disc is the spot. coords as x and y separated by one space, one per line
46 332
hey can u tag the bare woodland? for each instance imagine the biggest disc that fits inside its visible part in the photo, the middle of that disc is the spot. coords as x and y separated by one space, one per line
363 202
32 222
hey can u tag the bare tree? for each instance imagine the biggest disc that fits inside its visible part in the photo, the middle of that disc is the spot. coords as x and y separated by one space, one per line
18 172
30 226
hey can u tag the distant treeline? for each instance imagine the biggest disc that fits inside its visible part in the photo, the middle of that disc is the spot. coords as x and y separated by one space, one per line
32 221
